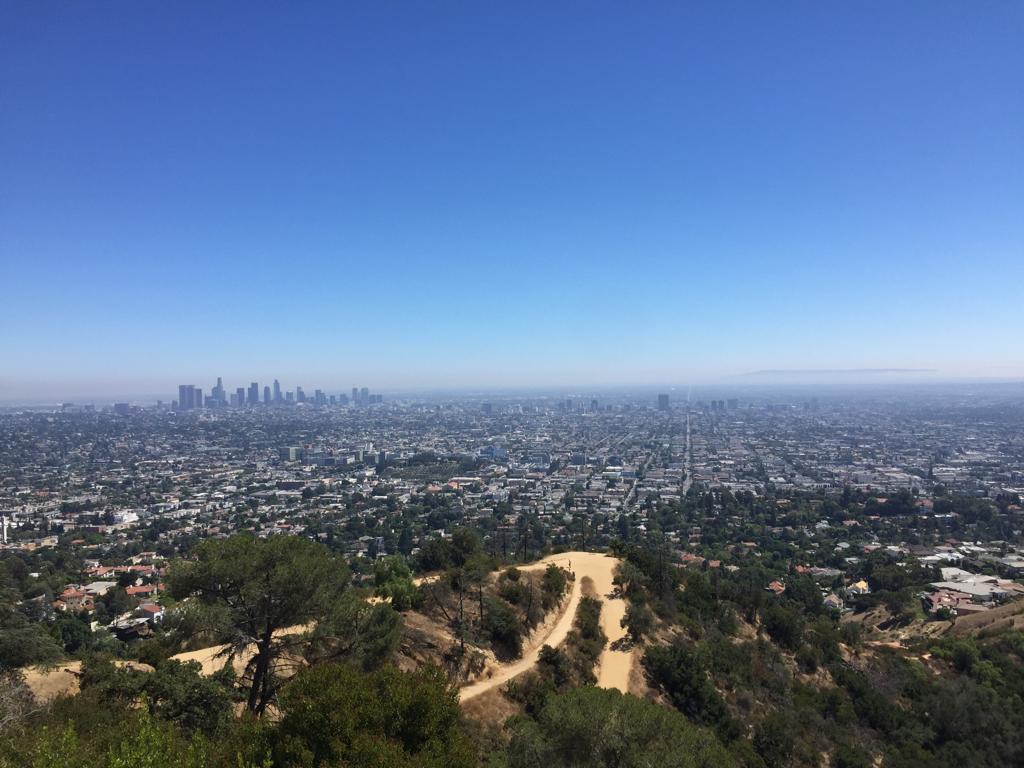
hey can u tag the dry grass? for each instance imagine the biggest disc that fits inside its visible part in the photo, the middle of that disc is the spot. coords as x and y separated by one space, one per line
638 680
493 707
1009 616
48 683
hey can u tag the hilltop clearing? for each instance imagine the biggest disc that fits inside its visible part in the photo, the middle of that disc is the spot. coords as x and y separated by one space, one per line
615 664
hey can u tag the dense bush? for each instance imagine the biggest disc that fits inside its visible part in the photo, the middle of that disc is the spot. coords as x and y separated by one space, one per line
602 728
335 715
572 665
680 673
329 715
175 692
502 627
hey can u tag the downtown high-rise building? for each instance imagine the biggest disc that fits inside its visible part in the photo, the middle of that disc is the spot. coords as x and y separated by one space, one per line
217 393
189 397
186 397
662 402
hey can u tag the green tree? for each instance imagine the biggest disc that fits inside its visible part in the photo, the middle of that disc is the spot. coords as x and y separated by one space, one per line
392 579
467 544
553 582
784 624
146 743
261 596
56 749
773 740
638 621
678 671
335 715
151 744
602 728
355 632
629 579
179 693
74 633
436 554
22 642
176 691
804 591
503 627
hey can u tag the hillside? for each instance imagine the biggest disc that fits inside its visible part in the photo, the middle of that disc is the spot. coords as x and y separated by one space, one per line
503 666
783 682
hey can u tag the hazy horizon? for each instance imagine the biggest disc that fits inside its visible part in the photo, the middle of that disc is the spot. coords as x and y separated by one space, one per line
147 392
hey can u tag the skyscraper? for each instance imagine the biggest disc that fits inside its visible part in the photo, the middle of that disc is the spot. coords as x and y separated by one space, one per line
254 393
277 391
266 395
662 402
355 396
240 396
189 397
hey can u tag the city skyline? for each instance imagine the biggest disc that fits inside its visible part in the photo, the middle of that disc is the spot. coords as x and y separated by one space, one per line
405 198
192 397
271 390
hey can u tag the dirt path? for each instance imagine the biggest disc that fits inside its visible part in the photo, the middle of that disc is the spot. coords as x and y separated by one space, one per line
613 671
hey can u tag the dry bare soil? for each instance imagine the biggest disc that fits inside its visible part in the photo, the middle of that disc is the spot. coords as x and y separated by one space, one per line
614 666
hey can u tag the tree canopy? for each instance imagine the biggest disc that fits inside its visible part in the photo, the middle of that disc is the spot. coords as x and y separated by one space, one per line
263 598
597 727
335 715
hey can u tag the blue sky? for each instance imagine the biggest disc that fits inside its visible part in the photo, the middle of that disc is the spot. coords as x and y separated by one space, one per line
434 194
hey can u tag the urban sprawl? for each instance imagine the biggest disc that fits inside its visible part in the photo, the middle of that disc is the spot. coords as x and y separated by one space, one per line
825 484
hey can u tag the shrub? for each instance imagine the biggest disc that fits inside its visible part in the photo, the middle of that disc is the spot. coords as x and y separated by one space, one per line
602 728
